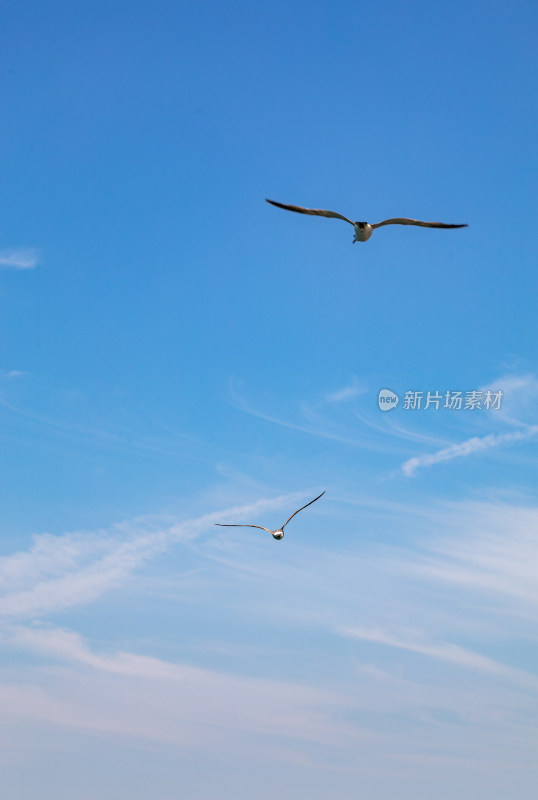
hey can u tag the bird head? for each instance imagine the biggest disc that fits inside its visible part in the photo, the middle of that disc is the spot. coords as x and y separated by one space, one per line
278 534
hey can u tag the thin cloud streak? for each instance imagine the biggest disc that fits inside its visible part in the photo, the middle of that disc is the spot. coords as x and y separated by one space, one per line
23 258
388 707
346 393
323 434
443 651
520 398
229 703
13 374
60 572
466 448
339 430
492 553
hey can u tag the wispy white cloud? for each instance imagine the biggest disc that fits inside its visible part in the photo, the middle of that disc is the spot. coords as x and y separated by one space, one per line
20 258
357 424
444 651
200 698
321 430
379 701
519 397
473 445
60 572
346 393
331 417
13 374
489 548
519 394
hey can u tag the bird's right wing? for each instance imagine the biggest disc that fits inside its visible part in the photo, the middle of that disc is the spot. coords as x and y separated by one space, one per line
317 212
419 222
232 525
300 509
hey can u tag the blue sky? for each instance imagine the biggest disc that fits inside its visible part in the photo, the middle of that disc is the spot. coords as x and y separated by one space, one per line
175 353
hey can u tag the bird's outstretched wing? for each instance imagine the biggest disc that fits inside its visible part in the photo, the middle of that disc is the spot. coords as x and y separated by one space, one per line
317 212
232 525
406 221
300 509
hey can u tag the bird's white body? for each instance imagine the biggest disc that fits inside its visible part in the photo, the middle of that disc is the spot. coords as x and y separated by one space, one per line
363 231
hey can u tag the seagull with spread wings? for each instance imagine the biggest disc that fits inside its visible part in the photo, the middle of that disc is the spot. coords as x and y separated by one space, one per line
363 230
279 533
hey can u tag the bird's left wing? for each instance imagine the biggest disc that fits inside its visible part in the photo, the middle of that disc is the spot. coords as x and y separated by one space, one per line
233 525
300 509
317 212
407 221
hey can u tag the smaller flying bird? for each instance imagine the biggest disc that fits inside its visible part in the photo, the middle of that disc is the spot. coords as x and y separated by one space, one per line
363 230
279 533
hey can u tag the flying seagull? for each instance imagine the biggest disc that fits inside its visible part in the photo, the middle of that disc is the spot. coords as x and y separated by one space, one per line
279 533
363 230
